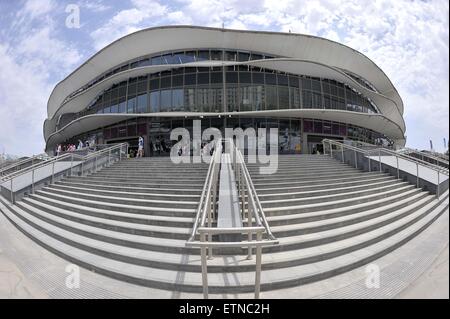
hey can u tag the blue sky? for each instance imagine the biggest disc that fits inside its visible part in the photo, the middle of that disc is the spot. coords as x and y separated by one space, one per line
409 40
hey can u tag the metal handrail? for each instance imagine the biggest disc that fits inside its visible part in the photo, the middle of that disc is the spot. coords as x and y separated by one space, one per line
62 158
393 153
413 159
425 155
38 165
369 154
199 217
24 161
254 209
261 215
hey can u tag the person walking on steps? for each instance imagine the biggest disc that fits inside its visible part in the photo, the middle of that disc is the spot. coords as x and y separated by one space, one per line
140 147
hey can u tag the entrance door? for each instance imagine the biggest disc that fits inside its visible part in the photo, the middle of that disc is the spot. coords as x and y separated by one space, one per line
159 138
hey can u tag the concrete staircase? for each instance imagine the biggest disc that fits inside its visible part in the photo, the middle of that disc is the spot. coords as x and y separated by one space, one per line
131 220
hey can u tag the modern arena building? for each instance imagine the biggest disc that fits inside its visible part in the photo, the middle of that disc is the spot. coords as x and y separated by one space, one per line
319 226
157 79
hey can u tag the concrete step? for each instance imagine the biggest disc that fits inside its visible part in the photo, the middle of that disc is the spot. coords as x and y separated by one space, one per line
144 177
156 231
138 181
137 188
328 185
259 185
305 176
351 194
163 211
190 188
395 202
369 200
239 281
333 191
54 206
172 245
355 223
51 192
127 194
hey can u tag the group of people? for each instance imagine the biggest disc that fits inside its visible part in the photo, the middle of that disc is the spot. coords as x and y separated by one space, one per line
62 148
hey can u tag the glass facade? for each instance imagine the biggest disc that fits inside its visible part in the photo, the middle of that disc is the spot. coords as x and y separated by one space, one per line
217 89
177 57
201 90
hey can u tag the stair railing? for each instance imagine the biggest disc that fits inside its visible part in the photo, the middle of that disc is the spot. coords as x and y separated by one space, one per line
366 160
251 211
82 165
21 164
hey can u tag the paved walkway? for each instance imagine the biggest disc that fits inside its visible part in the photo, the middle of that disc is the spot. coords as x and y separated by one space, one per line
419 269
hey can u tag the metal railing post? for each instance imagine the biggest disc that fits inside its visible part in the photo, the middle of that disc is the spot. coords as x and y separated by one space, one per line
210 252
109 157
356 159
250 224
258 266
438 186
398 169
331 149
379 159
342 151
204 267
417 168
32 181
71 164
53 172
11 191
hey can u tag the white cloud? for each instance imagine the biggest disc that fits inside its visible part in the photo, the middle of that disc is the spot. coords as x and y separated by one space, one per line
32 59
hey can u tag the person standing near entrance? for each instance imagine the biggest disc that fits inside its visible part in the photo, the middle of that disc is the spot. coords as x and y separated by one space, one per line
140 147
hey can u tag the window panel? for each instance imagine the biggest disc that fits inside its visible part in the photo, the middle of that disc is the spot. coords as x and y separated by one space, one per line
141 104
216 77
142 87
131 106
230 56
166 82
157 60
177 99
245 77
243 57
155 101
177 81
203 55
293 81
271 78
318 127
203 78
216 55
258 77
166 100
232 77
283 97
271 98
282 79
189 100
308 126
294 98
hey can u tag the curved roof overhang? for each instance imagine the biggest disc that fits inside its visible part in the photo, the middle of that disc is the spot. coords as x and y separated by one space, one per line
167 38
375 122
387 106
